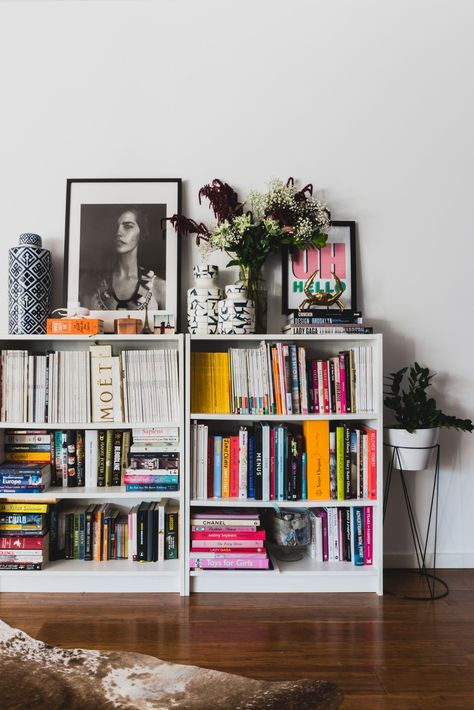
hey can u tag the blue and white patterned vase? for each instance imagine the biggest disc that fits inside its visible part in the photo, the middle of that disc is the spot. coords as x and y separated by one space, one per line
236 312
29 286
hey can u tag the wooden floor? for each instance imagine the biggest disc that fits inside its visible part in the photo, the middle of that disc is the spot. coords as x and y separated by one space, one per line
383 652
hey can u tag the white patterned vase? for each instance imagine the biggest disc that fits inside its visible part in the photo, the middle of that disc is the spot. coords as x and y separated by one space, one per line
29 286
236 311
203 298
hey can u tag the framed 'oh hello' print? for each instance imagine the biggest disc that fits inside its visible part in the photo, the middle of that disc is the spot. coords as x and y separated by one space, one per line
322 279
121 256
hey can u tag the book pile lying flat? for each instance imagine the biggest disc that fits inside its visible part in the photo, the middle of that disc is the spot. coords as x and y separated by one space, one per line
24 477
230 539
24 538
154 460
326 322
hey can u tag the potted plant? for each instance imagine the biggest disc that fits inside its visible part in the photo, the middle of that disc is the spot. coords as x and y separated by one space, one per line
250 231
417 415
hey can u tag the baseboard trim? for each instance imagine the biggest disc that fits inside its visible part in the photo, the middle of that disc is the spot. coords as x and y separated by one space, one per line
446 560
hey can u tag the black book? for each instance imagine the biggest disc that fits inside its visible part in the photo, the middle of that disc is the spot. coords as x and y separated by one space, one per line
117 458
142 517
171 535
152 532
71 458
299 465
89 520
332 385
292 468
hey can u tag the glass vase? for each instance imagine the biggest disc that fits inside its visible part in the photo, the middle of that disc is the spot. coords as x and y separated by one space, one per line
256 292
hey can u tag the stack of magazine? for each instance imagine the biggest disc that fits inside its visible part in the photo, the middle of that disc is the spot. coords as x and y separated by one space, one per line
325 321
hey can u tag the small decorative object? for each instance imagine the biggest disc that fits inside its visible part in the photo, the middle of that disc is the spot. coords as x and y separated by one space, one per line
162 326
282 217
146 330
119 254
418 417
127 326
326 275
29 286
203 298
291 533
236 313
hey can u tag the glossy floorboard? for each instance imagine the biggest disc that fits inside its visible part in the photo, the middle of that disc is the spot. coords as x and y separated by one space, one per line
382 652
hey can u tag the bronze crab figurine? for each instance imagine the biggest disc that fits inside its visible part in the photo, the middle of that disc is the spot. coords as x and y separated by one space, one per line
322 298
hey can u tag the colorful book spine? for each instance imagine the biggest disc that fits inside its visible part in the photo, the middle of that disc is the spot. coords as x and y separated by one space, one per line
368 535
226 563
217 466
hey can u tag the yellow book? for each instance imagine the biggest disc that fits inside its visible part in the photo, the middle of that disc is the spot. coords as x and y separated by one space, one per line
225 466
340 462
316 435
225 365
41 456
24 507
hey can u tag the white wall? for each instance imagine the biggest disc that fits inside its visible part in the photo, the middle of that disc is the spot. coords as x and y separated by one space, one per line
371 101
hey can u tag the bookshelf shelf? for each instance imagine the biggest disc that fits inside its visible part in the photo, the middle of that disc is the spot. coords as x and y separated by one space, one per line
307 574
114 575
283 417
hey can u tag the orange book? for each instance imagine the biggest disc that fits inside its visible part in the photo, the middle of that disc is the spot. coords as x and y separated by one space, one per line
316 434
276 381
225 466
74 326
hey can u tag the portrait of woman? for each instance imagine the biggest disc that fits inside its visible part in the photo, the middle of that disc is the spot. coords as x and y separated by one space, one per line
126 269
120 256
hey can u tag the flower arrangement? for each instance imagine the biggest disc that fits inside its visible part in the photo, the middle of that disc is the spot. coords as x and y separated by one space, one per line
283 216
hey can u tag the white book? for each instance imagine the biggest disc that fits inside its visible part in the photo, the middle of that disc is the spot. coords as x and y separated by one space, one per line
205 445
331 542
194 459
91 457
315 549
243 461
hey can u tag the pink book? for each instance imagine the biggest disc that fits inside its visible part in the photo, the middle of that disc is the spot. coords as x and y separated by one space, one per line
372 473
229 555
228 548
315 386
236 563
224 528
342 383
234 466
368 543
225 542
225 535
272 463
322 513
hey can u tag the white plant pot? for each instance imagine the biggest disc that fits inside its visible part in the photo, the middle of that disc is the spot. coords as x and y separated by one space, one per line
412 452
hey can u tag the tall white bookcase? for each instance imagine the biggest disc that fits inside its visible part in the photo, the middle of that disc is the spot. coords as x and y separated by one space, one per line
114 575
305 575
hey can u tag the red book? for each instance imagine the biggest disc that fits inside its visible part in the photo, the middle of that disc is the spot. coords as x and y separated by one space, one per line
234 466
224 535
210 466
272 463
372 473
368 542
238 551
24 543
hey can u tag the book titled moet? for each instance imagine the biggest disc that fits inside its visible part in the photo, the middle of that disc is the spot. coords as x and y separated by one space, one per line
102 383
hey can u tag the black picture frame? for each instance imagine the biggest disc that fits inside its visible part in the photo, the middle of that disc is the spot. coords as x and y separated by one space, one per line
340 232
91 248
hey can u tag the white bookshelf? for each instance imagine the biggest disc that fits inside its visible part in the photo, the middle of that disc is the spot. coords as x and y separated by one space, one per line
113 575
305 575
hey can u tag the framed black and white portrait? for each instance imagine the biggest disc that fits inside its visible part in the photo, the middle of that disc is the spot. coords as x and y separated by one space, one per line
121 255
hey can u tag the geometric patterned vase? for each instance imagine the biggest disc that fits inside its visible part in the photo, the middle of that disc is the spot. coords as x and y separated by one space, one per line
203 298
29 286
236 313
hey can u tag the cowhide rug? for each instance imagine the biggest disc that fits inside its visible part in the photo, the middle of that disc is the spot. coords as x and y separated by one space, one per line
37 676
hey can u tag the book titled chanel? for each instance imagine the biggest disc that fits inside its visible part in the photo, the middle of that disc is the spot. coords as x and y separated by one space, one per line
102 383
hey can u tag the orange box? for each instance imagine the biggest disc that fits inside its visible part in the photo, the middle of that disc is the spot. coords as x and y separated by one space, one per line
74 326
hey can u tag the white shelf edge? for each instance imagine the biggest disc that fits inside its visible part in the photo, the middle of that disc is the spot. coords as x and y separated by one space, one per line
46 337
284 417
251 503
80 493
284 336
88 425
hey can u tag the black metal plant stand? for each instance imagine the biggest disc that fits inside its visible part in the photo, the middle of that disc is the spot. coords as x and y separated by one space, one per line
420 545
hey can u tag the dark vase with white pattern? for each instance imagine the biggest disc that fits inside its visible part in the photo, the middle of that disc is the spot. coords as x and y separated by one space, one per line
29 286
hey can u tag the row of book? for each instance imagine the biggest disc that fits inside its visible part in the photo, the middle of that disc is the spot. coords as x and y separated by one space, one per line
148 532
229 539
31 534
141 459
326 322
282 379
322 461
90 386
342 535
